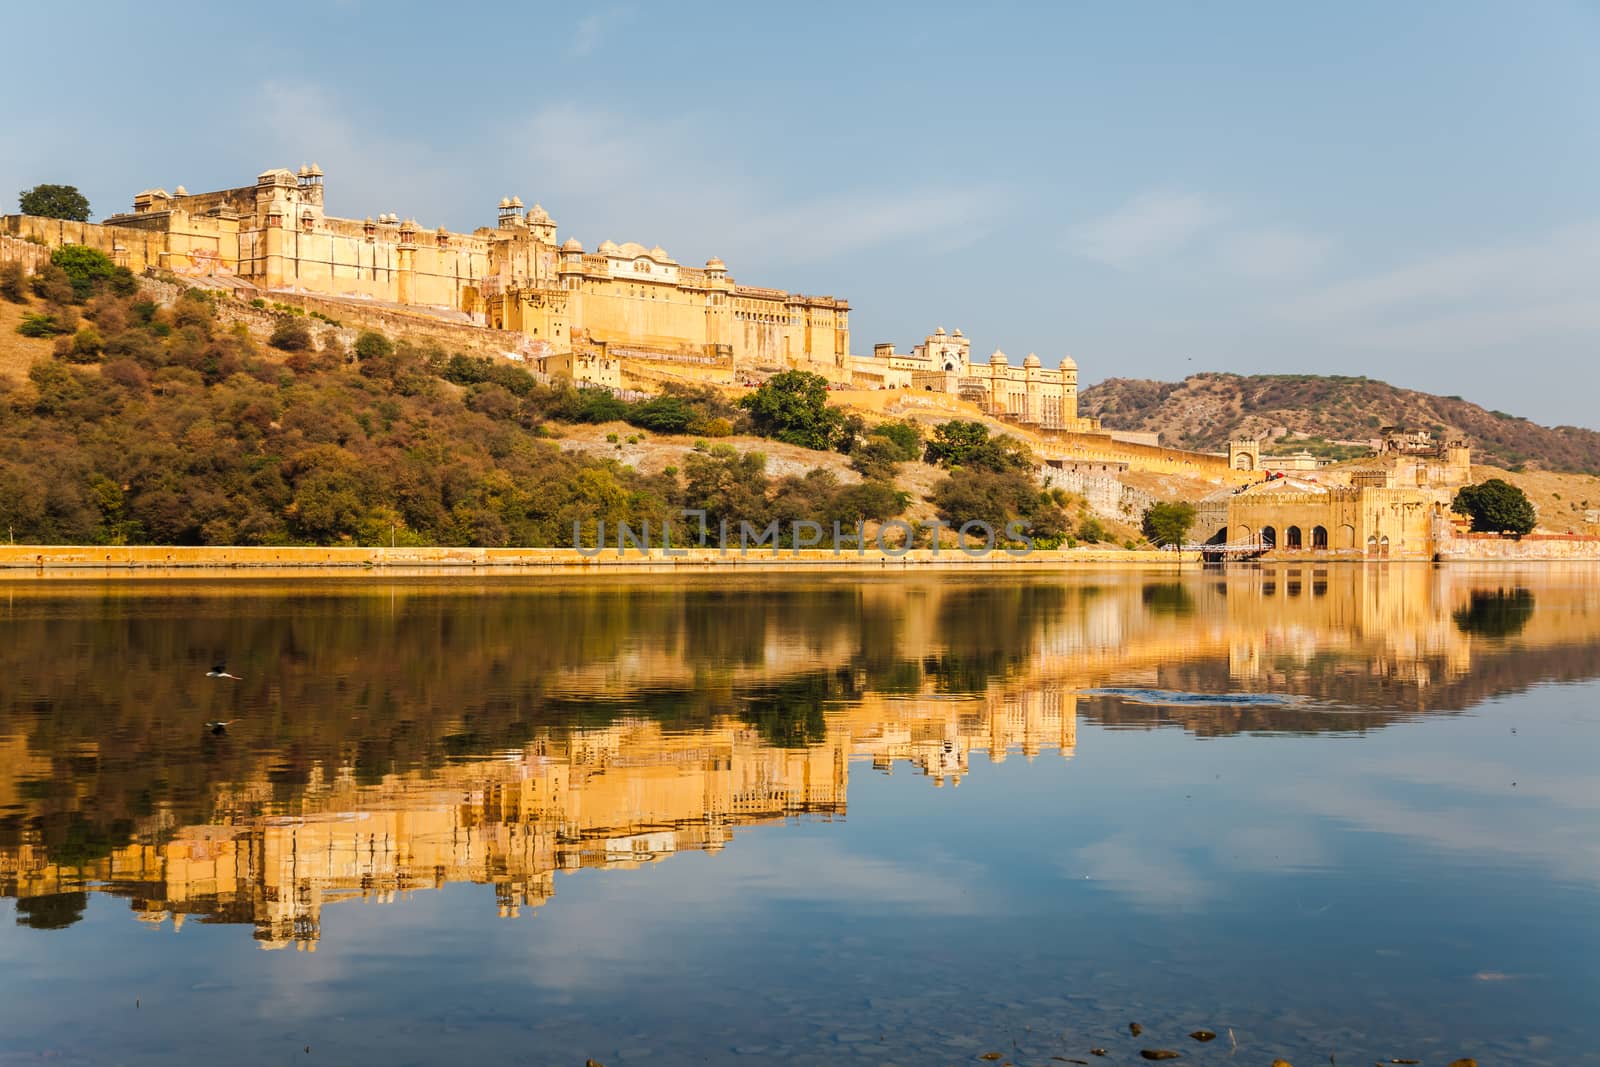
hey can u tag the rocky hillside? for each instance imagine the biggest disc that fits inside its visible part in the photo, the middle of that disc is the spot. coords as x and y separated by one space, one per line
1331 416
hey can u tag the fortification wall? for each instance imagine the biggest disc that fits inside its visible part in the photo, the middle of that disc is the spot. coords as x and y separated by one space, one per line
127 247
15 250
1086 446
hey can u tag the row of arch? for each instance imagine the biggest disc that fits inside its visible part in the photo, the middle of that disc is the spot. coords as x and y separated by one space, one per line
1295 539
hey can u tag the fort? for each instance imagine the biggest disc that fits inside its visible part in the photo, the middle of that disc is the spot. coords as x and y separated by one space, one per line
608 316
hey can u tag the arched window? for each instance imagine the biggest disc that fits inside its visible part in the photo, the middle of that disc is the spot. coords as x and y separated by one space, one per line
1372 545
1269 536
1291 537
1383 545
1319 538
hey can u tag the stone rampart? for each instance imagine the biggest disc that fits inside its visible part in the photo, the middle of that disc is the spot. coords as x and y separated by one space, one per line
32 256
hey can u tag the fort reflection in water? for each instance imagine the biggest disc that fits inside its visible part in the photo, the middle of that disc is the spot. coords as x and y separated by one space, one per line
397 738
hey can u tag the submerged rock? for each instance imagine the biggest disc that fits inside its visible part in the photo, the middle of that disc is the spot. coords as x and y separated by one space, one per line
991 1056
1281 1063
1135 1029
1160 1054
1203 1035
1097 1052
1464 1063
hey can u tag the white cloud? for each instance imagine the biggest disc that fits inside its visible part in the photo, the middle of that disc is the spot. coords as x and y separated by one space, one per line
670 174
593 28
1493 296
1272 253
1151 224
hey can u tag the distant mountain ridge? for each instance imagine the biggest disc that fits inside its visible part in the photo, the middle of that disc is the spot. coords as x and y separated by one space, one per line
1204 411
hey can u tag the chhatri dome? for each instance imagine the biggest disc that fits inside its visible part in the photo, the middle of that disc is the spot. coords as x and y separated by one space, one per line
1031 361
1068 363
998 359
572 244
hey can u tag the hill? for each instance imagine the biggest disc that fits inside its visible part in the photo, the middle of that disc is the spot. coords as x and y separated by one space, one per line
1329 415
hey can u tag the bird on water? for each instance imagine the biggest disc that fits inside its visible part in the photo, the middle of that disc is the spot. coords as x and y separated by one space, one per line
220 727
221 671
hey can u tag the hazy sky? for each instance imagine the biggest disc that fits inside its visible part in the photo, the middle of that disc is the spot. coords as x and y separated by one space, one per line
1407 191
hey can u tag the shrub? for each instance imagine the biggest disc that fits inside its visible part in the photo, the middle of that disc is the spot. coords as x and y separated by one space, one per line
373 345
85 346
40 324
258 303
291 336
51 284
904 434
13 283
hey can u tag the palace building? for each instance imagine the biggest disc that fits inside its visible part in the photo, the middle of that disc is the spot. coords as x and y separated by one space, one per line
607 303
942 363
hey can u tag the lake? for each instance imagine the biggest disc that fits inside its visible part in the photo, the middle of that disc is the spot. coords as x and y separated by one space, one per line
1334 812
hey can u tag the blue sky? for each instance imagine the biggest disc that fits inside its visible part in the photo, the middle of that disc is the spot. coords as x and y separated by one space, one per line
1403 191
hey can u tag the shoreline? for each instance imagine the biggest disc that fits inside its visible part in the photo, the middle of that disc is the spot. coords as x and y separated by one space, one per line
28 561
22 563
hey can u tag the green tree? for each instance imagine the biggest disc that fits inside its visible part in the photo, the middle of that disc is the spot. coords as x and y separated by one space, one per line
55 202
1167 523
1496 505
960 443
793 407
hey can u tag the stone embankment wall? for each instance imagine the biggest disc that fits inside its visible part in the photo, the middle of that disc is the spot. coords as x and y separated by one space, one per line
52 559
1532 547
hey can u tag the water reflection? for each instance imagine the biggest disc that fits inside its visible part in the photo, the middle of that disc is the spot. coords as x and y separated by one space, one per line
397 738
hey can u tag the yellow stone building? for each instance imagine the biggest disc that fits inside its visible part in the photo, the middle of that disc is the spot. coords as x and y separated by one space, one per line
1392 505
615 302
1028 394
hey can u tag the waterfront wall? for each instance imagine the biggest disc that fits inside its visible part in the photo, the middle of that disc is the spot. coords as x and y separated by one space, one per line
22 559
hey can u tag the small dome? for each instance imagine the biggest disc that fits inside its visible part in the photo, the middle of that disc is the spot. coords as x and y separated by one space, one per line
957 333
304 170
441 231
516 201
1068 363
538 214
369 220
938 331
1031 361
572 245
316 171
182 191
607 247
659 253
998 359
715 263
505 202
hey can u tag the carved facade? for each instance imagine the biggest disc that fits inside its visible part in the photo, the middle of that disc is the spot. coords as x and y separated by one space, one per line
614 301
942 363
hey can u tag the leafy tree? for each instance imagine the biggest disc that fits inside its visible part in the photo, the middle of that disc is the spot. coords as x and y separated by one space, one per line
662 414
793 407
960 443
974 494
84 268
1496 505
55 202
291 335
1167 523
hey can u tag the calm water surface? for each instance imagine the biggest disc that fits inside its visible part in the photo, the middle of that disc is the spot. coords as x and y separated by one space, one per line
1340 811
